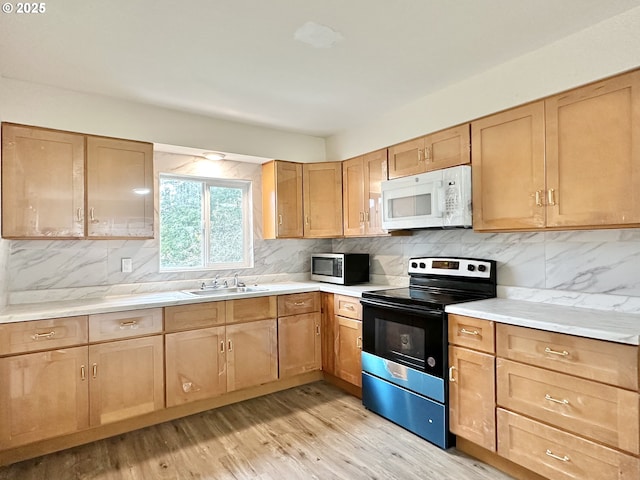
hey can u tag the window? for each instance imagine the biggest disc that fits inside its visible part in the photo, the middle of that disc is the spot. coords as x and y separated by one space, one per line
205 223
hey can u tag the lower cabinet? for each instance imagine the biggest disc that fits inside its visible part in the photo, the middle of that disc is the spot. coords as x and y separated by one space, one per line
348 345
196 365
252 354
126 379
43 395
300 346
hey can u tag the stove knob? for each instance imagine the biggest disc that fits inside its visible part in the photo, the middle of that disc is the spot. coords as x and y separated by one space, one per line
414 264
471 268
423 265
482 268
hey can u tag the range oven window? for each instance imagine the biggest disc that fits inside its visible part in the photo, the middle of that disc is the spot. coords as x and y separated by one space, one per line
411 338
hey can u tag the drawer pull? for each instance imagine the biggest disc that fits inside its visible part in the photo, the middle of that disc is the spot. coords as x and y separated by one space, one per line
469 332
564 401
348 306
553 455
131 324
298 304
563 353
38 336
451 369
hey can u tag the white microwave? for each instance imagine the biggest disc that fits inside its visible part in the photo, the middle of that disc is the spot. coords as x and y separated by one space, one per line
437 199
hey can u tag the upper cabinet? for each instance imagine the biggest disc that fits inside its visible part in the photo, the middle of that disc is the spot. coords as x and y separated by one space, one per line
361 179
572 160
322 199
44 173
42 183
446 148
119 188
282 199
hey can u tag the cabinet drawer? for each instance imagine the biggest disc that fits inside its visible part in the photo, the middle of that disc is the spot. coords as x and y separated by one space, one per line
251 309
42 334
599 412
196 315
347 306
132 323
606 362
559 455
296 303
472 333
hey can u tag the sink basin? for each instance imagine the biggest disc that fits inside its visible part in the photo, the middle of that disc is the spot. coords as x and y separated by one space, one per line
212 292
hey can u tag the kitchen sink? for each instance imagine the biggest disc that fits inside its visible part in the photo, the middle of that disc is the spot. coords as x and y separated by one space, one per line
212 292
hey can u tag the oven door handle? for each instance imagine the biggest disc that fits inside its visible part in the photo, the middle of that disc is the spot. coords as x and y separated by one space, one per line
415 310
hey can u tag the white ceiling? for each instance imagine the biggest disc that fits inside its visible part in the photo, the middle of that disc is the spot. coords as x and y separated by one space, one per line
238 59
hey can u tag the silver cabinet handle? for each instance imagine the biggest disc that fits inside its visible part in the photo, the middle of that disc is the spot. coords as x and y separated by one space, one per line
539 198
132 324
451 369
359 342
551 197
469 332
279 219
79 214
552 455
348 306
563 353
94 370
564 401
83 373
48 335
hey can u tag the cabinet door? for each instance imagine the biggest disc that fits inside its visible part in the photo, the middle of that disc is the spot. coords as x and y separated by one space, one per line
448 148
407 158
322 189
42 183
196 365
289 199
593 154
348 347
375 172
127 379
299 344
119 188
472 399
508 169
43 395
353 197
252 354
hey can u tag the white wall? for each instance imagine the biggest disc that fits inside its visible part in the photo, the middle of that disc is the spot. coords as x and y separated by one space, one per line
601 50
51 107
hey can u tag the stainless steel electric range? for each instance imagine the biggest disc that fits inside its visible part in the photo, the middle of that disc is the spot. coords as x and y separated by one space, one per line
404 357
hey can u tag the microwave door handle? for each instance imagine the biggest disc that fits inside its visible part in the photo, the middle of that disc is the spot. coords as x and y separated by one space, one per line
439 202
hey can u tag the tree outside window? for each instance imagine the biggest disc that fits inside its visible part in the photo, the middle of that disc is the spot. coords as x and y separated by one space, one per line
205 223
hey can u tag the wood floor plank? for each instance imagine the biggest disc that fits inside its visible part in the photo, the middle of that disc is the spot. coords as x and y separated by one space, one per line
310 432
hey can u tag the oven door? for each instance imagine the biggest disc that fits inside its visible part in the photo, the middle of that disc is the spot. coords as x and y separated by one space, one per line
413 337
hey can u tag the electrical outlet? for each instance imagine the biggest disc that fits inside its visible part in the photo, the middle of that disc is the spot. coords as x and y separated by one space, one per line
127 265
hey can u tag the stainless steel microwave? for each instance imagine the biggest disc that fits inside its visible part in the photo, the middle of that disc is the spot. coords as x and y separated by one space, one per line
340 268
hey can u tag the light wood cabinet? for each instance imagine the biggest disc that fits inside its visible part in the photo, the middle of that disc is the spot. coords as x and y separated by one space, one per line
322 199
472 399
559 455
348 349
508 169
44 174
299 341
327 331
131 323
196 365
361 179
43 395
196 315
297 303
282 200
252 354
119 188
593 154
127 379
42 183
446 148
251 309
571 160
32 336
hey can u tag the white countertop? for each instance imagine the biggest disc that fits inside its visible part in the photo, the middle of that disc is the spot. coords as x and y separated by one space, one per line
583 322
38 311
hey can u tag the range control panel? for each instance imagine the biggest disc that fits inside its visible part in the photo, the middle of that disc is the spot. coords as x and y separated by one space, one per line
460 267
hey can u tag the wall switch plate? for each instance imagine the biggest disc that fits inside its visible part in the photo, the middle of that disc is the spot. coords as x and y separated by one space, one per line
127 265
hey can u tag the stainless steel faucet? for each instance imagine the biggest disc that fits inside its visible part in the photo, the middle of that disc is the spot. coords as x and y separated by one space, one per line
237 282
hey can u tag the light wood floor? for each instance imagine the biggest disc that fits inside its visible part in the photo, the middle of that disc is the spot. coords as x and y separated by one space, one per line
311 432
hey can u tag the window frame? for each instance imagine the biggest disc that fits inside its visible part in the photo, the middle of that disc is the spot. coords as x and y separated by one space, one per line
205 221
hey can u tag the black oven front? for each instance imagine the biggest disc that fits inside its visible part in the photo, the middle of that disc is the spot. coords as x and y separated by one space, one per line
411 336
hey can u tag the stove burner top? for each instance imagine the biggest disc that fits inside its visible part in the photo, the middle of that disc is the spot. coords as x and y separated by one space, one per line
434 298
